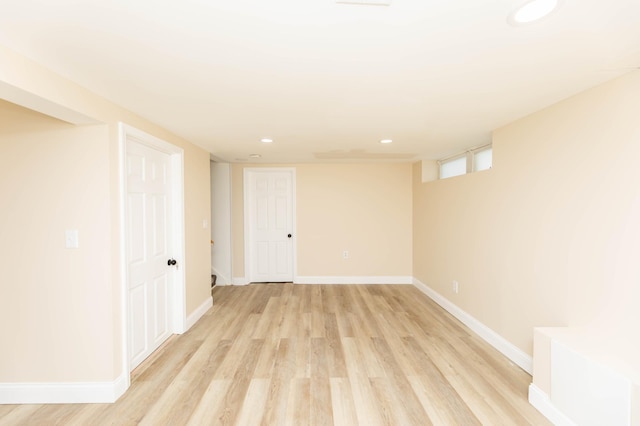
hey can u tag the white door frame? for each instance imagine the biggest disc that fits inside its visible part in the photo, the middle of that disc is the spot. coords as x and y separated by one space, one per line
247 221
177 309
221 214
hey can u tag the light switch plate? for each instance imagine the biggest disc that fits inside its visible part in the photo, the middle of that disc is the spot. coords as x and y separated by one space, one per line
71 238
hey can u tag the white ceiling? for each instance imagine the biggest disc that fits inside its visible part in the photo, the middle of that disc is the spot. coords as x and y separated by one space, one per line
326 81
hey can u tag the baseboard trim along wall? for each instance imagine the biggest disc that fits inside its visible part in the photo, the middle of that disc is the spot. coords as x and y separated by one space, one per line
509 350
542 403
354 280
199 312
62 393
400 279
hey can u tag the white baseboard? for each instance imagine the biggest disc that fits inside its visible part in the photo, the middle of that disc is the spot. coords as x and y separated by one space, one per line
340 280
542 403
63 393
354 280
512 352
199 312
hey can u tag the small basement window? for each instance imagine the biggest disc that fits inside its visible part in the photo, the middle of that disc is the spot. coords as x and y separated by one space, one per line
473 160
482 159
453 167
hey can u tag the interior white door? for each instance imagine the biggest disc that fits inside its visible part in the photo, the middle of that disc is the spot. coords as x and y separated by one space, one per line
148 215
270 223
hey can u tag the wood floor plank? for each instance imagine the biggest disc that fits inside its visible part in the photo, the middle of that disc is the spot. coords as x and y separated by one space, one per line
482 383
180 399
495 370
408 404
390 410
148 386
298 407
342 403
230 364
449 400
303 357
335 355
276 354
363 396
232 400
21 415
317 313
290 316
267 359
210 404
279 388
5 410
254 402
268 320
459 395
320 410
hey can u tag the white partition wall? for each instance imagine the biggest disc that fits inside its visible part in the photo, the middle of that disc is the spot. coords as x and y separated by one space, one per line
221 222
581 378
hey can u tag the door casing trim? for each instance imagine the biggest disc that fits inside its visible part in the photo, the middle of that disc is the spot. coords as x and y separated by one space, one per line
178 316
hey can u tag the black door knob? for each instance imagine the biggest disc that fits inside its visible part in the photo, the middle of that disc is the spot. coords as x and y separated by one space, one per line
288 235
171 262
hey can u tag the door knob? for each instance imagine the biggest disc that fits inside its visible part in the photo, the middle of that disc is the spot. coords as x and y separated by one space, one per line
171 262
288 235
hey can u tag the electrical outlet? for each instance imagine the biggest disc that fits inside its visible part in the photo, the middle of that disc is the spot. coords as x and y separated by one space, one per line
455 287
345 254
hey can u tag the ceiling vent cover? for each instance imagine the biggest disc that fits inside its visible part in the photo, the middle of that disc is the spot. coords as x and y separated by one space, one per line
366 2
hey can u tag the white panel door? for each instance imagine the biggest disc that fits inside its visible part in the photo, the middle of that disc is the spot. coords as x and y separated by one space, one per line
270 222
148 212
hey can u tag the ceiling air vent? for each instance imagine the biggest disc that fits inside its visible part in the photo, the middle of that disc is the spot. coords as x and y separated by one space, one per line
366 2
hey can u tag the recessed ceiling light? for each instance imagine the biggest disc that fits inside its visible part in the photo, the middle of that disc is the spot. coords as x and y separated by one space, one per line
532 10
255 155
386 141
266 140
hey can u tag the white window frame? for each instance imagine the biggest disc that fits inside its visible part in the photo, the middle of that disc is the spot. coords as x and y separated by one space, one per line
470 156
475 152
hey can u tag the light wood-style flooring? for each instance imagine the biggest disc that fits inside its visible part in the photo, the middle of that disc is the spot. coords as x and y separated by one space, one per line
277 354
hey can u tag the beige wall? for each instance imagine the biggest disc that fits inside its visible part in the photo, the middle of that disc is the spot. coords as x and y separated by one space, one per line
362 208
91 158
49 184
550 236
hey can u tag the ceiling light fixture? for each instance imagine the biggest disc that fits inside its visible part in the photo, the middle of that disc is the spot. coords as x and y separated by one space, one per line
266 140
385 141
532 11
255 155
